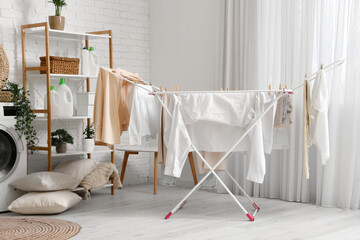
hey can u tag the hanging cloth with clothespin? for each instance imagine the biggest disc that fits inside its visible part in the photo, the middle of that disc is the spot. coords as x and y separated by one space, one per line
111 115
306 128
283 111
319 104
316 108
144 115
130 76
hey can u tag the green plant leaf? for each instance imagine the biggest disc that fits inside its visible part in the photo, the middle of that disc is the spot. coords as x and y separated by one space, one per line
89 131
59 4
24 115
61 136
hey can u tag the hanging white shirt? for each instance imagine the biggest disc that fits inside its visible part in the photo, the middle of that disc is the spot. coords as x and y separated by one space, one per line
319 103
144 115
213 123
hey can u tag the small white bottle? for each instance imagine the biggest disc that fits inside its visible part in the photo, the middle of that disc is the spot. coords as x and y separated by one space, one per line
85 61
93 62
54 101
66 99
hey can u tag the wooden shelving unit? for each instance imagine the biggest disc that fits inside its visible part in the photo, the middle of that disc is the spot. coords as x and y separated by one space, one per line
42 29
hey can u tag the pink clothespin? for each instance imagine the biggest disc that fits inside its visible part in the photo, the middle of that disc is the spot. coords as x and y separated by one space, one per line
288 91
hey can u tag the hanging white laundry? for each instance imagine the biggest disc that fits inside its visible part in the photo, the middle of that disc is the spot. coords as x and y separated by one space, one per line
319 103
144 115
281 138
268 123
176 139
212 122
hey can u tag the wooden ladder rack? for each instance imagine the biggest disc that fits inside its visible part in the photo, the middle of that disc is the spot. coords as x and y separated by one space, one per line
46 32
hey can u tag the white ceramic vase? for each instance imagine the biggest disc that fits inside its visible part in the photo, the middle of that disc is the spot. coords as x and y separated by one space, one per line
88 144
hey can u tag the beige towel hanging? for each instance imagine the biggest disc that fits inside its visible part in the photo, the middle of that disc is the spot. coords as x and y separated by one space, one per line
306 129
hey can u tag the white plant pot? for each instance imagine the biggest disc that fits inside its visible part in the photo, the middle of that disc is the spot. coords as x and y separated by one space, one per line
88 144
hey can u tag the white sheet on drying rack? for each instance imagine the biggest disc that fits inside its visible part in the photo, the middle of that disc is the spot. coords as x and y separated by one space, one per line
213 122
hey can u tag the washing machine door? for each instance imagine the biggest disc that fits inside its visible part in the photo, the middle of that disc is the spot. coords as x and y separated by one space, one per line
9 152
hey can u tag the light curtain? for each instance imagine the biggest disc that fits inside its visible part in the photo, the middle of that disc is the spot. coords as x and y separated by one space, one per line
278 42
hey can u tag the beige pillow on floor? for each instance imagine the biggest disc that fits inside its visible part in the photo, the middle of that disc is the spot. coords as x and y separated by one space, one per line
45 181
78 169
44 203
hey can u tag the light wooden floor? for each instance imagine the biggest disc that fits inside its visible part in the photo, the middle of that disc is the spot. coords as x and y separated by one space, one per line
135 213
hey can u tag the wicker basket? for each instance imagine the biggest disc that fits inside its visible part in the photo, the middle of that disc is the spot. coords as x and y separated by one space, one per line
4 68
6 96
61 65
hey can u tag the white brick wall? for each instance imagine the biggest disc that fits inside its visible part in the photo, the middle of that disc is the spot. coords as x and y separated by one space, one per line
129 21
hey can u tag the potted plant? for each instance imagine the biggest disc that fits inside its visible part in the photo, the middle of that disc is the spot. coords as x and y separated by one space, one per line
59 138
88 142
57 22
24 115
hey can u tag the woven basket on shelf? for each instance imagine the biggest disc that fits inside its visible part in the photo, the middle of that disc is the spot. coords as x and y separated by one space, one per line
4 68
6 96
61 65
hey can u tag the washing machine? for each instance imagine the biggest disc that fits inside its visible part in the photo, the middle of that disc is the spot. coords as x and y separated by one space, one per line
13 159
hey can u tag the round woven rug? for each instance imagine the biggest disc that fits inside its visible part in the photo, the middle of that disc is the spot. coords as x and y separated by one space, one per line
38 228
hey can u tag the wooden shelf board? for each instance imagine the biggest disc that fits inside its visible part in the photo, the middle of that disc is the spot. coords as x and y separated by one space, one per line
42 118
71 152
135 148
55 75
66 35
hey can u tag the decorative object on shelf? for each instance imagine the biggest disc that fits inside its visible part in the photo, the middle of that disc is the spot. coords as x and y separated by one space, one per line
54 102
57 22
88 142
61 65
4 68
59 138
24 115
66 100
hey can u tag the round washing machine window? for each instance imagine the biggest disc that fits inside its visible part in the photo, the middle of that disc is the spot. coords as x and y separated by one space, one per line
8 155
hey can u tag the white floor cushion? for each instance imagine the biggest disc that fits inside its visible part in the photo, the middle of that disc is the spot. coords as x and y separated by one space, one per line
44 203
45 181
78 169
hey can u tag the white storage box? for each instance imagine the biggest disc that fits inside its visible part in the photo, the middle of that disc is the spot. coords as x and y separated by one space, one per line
86 98
85 111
